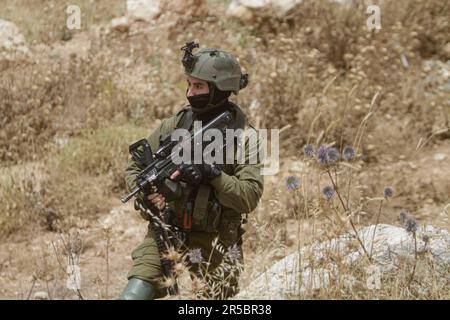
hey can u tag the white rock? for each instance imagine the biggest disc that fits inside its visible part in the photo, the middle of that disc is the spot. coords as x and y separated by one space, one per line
18 40
9 31
143 9
120 24
41 295
298 274
7 45
439 156
346 2
254 4
239 12
12 42
245 9
282 7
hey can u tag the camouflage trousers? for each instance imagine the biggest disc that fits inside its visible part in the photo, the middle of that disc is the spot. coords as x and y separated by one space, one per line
218 272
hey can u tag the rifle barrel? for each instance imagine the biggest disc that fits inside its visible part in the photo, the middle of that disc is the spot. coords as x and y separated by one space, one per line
130 195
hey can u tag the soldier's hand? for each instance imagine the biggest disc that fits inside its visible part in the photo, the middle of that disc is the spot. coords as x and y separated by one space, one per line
157 200
194 174
191 174
175 175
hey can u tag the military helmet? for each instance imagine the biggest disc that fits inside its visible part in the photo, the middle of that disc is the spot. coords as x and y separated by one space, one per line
214 66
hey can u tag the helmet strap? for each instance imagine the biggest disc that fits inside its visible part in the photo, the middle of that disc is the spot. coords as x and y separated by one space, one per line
212 89
214 92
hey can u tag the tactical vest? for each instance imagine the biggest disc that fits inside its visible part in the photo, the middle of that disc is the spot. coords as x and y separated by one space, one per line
198 210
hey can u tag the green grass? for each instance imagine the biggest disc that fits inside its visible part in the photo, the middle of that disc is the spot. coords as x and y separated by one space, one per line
100 152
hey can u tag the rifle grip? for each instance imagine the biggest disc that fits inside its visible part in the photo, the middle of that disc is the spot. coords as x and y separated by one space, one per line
171 190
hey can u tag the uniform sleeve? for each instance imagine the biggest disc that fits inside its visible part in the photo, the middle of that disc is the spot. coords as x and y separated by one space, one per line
242 190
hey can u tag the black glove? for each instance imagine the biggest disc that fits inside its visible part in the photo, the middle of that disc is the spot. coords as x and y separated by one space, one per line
194 174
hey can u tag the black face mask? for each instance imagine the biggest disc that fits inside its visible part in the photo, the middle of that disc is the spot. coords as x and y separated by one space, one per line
199 102
203 102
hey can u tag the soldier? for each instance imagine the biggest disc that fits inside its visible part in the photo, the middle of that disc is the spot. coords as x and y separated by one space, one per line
217 194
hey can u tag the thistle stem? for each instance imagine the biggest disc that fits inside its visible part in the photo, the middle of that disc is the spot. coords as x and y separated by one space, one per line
337 191
375 229
350 219
415 260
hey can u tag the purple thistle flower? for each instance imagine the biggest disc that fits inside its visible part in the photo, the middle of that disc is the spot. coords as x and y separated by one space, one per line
388 192
409 223
333 155
348 153
195 255
322 155
292 183
234 252
308 150
327 155
328 192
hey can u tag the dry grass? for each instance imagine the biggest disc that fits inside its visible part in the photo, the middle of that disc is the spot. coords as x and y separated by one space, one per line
44 21
311 219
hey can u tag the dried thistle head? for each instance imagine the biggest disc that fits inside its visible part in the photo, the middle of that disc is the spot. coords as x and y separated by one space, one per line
173 255
197 284
348 153
327 155
308 150
388 192
179 268
292 182
409 223
328 192
333 155
322 155
167 282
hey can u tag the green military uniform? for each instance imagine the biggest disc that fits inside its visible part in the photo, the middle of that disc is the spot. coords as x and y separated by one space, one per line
238 189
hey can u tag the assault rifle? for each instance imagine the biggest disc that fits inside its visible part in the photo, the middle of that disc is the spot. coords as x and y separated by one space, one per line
159 166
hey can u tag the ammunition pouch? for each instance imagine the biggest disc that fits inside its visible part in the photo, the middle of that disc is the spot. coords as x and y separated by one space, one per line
230 230
201 212
207 210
